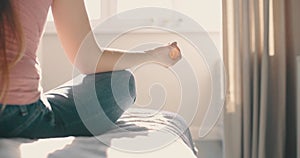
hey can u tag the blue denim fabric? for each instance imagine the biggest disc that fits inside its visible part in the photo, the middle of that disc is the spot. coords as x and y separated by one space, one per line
62 118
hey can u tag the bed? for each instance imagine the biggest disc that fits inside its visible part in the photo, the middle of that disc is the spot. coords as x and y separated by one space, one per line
142 133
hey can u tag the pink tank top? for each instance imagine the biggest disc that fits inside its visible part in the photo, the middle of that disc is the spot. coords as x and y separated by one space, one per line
24 87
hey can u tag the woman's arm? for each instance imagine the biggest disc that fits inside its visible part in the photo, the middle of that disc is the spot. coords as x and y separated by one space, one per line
73 27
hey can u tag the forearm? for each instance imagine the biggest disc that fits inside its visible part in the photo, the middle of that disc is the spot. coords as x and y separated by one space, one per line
113 60
91 58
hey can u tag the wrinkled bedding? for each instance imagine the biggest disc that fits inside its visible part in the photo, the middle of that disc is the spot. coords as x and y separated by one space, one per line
141 133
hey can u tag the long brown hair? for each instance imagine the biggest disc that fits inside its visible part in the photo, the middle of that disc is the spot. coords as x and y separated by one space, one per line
9 25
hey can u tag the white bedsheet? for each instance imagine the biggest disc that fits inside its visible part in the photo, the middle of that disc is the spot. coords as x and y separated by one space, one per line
162 135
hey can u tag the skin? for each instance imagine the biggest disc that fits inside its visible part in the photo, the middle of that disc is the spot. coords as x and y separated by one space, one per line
72 25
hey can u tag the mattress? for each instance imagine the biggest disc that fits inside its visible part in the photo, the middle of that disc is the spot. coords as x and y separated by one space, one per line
141 133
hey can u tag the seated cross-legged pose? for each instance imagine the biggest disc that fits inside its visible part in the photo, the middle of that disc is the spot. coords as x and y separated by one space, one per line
25 110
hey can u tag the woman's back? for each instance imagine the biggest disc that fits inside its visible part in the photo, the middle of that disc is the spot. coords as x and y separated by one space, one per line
24 77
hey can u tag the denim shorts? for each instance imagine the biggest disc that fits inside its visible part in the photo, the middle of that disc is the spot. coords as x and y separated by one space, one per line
87 105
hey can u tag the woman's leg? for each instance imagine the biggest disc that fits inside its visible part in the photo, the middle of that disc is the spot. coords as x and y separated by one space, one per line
96 100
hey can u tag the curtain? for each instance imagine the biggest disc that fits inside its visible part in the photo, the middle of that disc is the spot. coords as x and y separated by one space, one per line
260 42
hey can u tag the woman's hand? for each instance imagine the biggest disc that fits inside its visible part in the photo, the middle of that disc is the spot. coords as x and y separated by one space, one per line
166 55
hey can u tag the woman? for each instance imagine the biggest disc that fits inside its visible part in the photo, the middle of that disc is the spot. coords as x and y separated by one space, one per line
25 112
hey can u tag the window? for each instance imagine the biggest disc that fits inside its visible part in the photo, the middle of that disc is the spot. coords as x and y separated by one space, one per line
123 5
206 13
